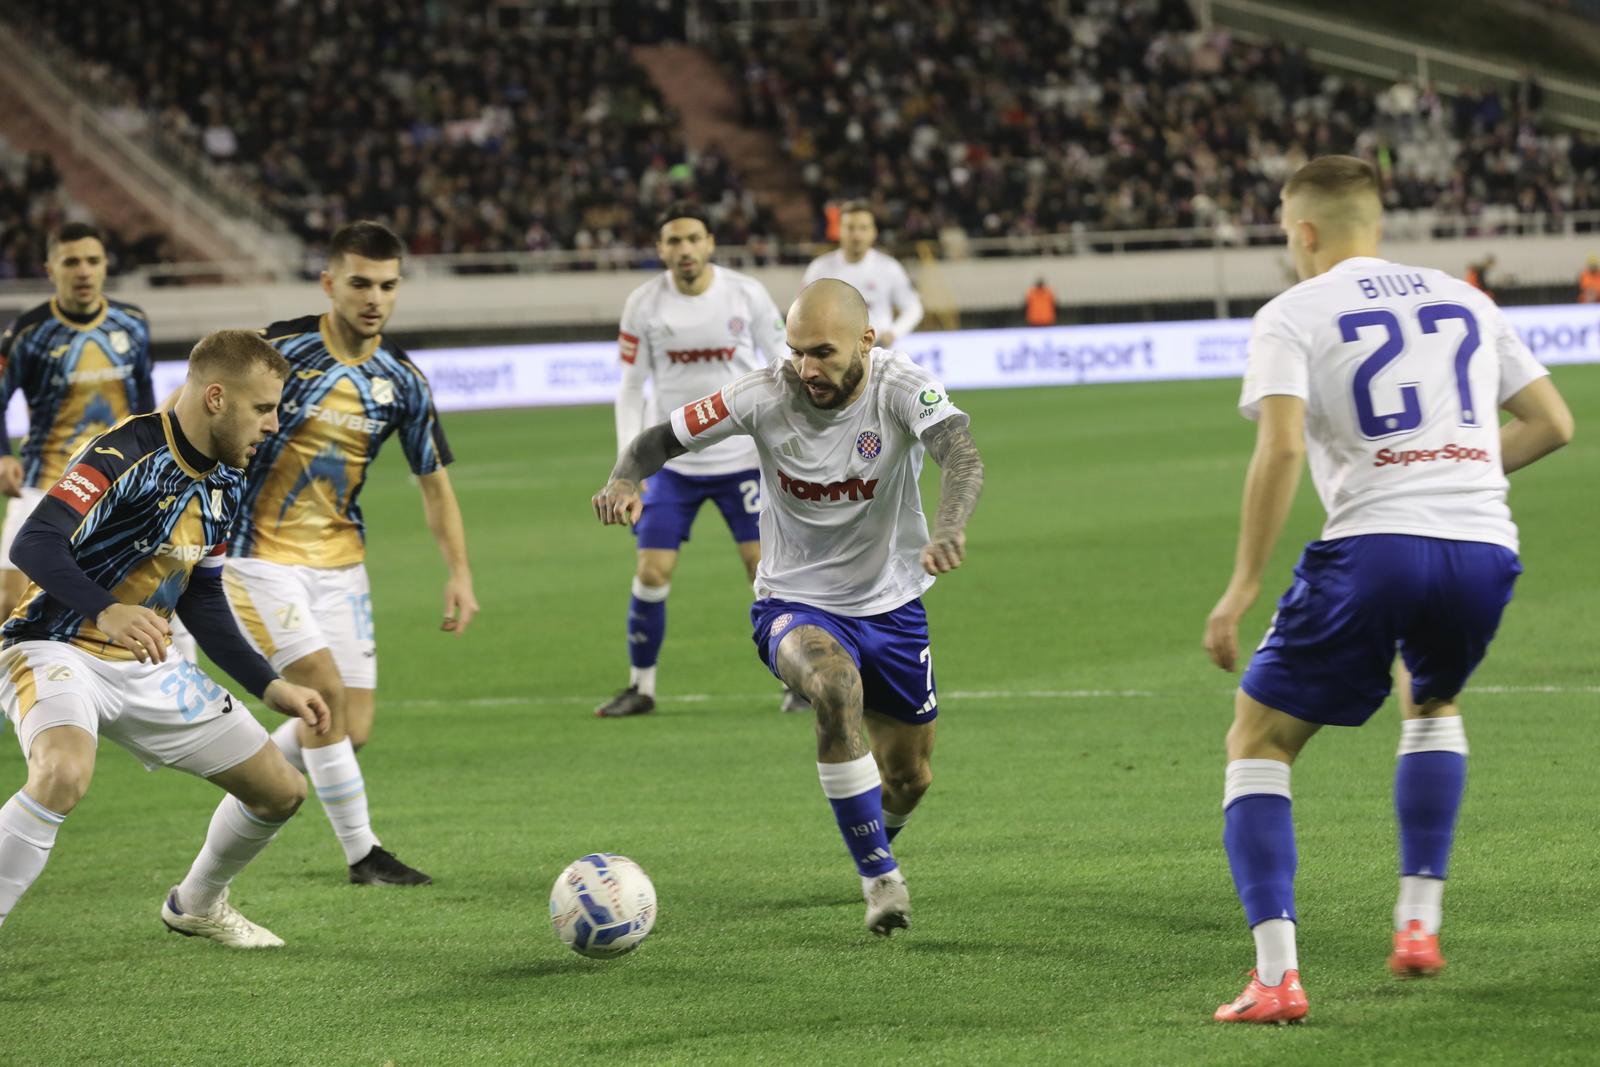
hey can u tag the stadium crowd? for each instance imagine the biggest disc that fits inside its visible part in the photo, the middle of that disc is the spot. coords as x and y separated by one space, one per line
33 203
461 133
988 118
1002 119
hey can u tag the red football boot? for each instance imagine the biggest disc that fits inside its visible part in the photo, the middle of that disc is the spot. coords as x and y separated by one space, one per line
1281 1003
1416 954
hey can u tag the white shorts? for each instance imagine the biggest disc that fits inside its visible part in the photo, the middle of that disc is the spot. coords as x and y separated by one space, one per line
17 511
289 611
167 714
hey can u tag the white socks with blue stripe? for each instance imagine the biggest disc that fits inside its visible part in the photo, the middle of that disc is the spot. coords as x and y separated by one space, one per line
27 833
336 776
235 837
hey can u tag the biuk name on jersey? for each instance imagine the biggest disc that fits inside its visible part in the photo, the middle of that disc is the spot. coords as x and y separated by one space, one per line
842 526
689 346
1402 370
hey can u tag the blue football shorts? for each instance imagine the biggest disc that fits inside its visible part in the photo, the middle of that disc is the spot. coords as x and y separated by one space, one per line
1329 653
672 500
891 651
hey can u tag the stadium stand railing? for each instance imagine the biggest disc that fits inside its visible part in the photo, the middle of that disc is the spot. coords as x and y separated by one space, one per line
192 216
1336 44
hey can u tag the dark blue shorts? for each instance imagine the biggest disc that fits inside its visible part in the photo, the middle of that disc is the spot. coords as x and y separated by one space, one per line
891 651
1329 653
672 500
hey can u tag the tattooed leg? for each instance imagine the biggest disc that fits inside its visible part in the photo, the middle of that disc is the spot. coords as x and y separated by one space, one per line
811 661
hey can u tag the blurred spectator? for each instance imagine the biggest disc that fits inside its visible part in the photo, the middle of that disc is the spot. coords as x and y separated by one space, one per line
1478 275
1589 282
1040 116
1039 307
465 126
33 202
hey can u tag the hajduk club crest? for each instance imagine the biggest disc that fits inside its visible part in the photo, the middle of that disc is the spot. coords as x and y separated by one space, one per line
869 444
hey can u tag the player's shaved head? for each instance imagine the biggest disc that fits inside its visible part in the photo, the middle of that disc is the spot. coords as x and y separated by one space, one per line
829 336
1332 210
832 302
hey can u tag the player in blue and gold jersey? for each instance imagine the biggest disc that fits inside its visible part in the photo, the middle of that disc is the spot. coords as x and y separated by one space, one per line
83 362
132 532
295 579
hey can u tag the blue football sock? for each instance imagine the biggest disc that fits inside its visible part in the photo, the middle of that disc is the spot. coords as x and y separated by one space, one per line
1429 779
856 793
647 623
1258 832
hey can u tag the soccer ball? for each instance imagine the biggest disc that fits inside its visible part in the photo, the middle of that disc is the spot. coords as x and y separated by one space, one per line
603 905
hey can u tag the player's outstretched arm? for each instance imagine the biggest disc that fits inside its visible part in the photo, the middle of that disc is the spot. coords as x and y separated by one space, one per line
951 445
1269 489
1540 424
618 502
443 513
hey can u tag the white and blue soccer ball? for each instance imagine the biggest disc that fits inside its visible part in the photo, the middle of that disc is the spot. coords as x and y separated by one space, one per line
603 905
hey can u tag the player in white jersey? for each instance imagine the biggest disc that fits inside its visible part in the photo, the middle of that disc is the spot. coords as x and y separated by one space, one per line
892 304
841 427
1389 377
687 331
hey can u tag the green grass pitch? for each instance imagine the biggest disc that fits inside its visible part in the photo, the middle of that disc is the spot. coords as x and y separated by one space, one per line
1072 900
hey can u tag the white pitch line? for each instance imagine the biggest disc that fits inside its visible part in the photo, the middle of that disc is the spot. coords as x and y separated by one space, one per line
974 694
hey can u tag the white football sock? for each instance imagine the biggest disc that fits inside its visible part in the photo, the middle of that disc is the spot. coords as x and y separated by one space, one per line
643 679
287 738
235 837
27 833
1275 951
336 776
1421 899
893 820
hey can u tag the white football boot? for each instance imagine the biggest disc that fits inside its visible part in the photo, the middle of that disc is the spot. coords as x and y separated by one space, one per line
888 903
222 924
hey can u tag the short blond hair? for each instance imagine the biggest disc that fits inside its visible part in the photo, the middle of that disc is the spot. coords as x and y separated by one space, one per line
1341 191
232 354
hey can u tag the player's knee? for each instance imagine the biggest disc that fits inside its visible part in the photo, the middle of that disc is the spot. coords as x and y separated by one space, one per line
653 575
279 803
909 782
58 780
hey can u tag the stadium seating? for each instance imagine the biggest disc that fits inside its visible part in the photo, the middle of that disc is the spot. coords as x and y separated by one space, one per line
33 202
1000 119
463 134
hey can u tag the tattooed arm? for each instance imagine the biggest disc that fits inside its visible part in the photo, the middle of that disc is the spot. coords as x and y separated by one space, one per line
960 481
619 501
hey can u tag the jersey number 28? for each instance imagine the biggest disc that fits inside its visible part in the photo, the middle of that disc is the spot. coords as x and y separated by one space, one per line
1376 424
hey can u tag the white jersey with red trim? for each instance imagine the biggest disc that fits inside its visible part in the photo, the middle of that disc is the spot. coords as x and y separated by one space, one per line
1402 370
841 519
688 346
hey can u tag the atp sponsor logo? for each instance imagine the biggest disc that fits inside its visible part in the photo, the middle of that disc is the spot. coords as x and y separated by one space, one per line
849 489
1451 453
683 356
80 487
704 413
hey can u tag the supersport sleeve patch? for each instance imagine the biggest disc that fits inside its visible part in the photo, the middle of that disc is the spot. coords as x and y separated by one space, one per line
81 488
704 413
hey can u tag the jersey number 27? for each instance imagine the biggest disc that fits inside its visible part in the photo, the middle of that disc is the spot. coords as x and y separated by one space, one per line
1376 424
